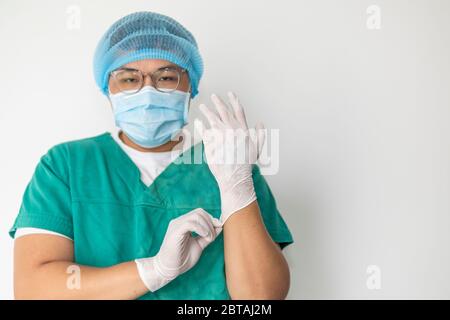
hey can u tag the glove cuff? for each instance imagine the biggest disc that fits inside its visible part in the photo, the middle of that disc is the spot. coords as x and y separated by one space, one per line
150 274
236 198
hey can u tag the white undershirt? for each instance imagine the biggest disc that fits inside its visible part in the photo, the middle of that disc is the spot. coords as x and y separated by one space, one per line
150 165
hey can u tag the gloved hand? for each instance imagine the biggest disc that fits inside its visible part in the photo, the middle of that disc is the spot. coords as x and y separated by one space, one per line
231 149
179 250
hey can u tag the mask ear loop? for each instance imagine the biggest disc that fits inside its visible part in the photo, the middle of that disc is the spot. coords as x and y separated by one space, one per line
186 106
108 96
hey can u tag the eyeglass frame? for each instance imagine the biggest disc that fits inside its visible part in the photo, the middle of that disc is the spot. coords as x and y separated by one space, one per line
179 70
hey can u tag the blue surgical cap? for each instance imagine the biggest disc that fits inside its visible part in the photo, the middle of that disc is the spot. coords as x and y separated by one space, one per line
147 35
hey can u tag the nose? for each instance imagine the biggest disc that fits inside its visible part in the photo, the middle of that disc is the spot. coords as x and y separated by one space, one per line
148 80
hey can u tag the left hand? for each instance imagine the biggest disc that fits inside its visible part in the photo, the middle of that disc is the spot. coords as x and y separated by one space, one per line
179 251
231 149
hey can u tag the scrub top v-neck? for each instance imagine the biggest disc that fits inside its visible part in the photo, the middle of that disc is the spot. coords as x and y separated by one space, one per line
90 191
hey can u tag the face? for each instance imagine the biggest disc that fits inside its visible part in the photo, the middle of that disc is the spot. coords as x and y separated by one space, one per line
150 66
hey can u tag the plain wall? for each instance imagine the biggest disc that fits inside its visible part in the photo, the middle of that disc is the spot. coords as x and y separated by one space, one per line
363 114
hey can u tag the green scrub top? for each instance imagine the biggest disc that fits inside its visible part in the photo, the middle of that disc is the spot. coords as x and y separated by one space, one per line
91 191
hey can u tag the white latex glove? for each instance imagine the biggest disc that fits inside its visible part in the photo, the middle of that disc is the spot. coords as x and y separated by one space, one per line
179 250
231 149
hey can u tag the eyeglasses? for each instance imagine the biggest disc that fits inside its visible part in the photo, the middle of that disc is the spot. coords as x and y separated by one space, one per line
165 79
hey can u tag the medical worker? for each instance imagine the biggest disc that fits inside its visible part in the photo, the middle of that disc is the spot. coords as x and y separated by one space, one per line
116 216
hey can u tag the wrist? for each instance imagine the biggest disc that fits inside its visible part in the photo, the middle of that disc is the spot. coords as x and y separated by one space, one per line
236 198
150 273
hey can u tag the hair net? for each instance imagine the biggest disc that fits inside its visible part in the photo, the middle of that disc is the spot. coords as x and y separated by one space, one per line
147 35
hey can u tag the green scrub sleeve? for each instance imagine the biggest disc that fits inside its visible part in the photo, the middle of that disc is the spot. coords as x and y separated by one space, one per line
46 202
274 222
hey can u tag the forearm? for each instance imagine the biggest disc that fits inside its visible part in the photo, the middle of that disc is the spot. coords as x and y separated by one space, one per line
255 265
50 281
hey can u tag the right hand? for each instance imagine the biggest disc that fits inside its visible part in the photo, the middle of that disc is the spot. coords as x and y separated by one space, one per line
231 149
179 250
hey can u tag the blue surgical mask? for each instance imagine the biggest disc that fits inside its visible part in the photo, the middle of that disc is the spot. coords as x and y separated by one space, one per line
149 117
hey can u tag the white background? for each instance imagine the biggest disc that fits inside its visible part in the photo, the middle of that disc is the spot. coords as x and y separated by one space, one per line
363 115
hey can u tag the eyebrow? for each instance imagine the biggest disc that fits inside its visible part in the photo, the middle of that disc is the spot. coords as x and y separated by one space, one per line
166 66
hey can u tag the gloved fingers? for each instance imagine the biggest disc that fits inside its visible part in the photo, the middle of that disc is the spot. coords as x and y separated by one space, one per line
200 128
206 219
207 135
238 110
261 136
217 223
212 117
201 217
222 109
218 230
196 226
204 241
